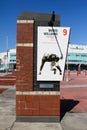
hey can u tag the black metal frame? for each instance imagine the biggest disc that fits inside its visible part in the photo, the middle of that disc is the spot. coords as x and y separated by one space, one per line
56 84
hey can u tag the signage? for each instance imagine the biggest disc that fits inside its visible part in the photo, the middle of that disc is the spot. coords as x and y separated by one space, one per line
52 44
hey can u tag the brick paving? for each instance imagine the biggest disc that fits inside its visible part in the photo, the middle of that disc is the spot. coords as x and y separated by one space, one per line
75 90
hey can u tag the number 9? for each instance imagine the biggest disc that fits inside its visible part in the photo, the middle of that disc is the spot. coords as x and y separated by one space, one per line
64 32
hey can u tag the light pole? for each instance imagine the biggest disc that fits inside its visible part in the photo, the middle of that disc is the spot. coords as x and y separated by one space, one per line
7 53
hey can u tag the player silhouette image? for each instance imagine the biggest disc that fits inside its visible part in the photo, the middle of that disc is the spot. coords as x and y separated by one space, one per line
53 59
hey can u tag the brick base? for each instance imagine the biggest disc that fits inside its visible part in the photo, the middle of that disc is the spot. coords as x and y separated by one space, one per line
38 104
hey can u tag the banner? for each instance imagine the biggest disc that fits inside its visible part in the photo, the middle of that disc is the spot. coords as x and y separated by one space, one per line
52 44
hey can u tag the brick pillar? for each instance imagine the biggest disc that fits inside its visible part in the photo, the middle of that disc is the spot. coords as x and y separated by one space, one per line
31 104
24 66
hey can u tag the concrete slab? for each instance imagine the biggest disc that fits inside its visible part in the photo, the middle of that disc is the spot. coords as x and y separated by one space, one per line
7 108
74 121
37 126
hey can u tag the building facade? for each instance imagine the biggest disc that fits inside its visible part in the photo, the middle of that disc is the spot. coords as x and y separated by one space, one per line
77 55
8 60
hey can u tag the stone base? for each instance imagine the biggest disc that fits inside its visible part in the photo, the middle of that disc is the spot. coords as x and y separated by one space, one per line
38 118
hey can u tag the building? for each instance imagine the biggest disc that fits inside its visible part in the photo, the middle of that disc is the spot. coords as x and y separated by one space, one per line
77 56
8 60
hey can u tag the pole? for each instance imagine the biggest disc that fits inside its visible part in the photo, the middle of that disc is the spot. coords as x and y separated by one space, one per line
51 23
67 78
57 43
7 53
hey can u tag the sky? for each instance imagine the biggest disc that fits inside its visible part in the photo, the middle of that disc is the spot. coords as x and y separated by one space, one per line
73 14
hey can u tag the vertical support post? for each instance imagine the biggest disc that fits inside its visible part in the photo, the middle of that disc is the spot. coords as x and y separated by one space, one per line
7 53
67 78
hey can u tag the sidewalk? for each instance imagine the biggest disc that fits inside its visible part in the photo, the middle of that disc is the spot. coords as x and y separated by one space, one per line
8 116
37 126
74 121
74 102
69 120
7 108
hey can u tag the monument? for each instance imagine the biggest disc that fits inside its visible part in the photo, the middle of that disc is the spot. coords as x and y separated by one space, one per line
41 55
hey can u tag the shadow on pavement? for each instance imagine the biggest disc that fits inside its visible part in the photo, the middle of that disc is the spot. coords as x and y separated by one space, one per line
66 105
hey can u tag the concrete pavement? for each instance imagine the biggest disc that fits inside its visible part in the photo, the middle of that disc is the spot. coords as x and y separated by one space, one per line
7 107
69 121
36 126
74 121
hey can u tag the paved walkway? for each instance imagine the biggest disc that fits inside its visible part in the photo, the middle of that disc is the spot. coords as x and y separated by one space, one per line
74 79
70 118
74 93
8 116
37 126
7 108
74 121
74 98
